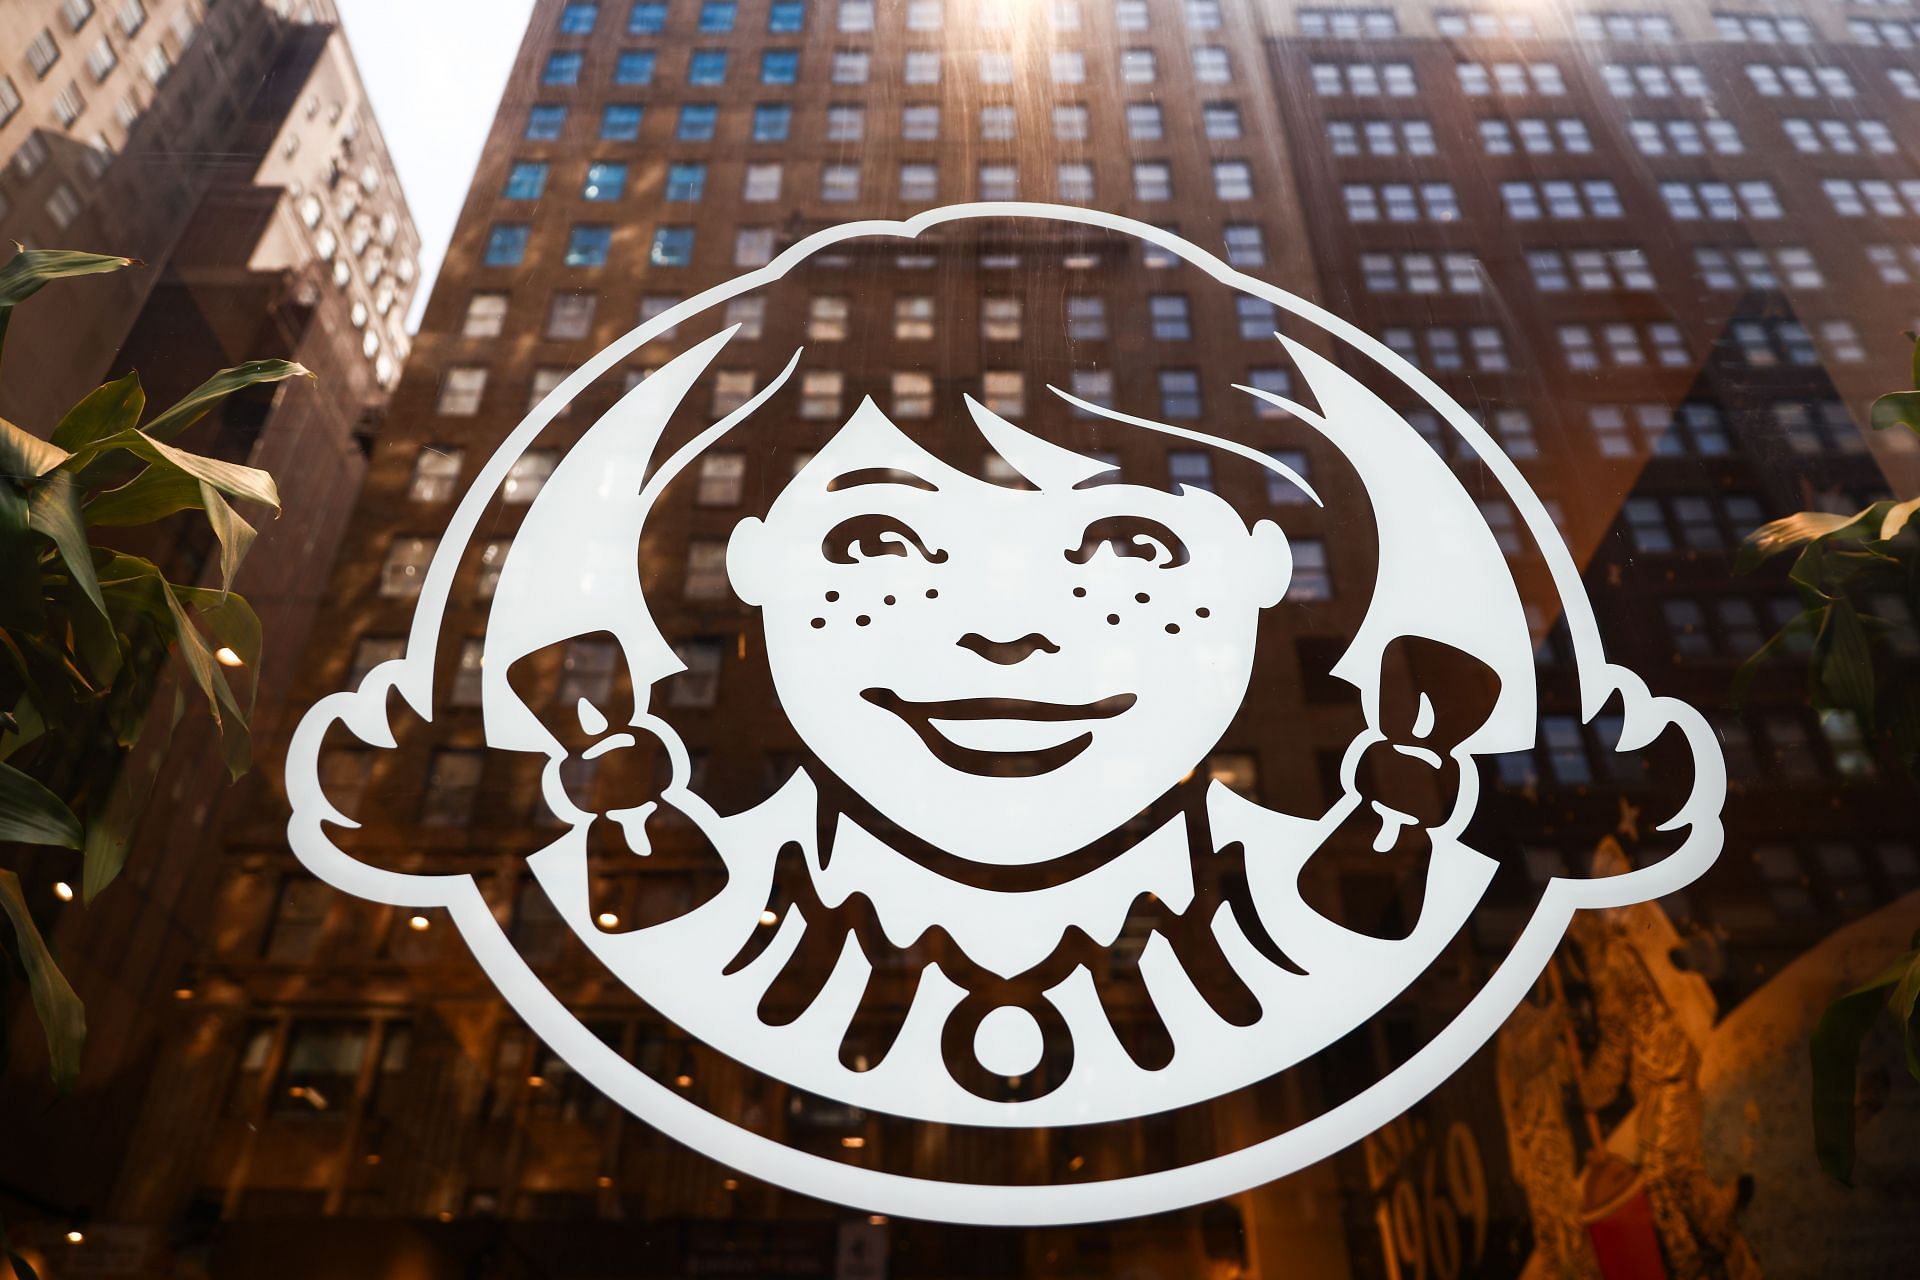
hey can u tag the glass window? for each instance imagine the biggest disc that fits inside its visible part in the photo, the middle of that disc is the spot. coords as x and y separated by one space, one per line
436 473
672 247
606 180
780 66
545 121
697 121
527 180
588 245
405 567
570 316
707 67
620 121
633 67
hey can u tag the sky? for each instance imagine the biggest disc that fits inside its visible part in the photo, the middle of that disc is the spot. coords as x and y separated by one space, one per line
435 69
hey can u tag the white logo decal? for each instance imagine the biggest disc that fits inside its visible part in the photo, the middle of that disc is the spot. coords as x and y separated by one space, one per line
1003 694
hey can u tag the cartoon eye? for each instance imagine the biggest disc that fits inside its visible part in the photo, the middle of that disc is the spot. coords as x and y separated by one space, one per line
869 537
1132 537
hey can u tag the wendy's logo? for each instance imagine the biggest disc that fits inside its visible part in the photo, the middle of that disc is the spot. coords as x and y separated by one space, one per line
953 840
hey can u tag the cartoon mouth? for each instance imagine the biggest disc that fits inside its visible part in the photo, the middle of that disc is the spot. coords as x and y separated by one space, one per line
1001 737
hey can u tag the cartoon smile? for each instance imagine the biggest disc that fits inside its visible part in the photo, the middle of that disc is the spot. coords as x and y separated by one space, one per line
1002 737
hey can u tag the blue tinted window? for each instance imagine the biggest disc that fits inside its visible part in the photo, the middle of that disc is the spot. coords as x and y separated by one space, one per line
770 121
786 15
587 246
686 181
717 15
707 66
563 68
620 122
578 19
545 121
527 180
779 66
696 122
646 19
606 180
506 244
634 66
672 247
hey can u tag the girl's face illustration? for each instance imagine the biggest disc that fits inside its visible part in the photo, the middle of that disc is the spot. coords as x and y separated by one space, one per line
1008 674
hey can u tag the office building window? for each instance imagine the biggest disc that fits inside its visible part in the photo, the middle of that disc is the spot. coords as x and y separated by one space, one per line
697 122
486 316
634 67
919 121
620 121
588 245
545 121
772 121
846 122
1179 393
780 66
707 67
436 473
570 316
405 567
840 182
606 180
527 180
461 389
686 182
672 247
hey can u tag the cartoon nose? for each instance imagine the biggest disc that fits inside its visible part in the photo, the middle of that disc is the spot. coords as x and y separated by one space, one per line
1008 652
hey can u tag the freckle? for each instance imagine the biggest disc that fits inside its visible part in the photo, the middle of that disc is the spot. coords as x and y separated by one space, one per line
818 623
1113 619
1143 597
932 594
1173 628
1080 592
832 596
888 600
1203 613
862 620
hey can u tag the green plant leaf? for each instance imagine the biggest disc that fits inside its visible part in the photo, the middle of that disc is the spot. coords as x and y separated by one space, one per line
1906 993
235 534
27 726
1896 518
62 1016
249 483
31 814
217 388
1846 667
21 1269
1789 531
111 824
231 623
28 270
1835 1052
20 576
24 456
1896 409
53 509
1804 626
154 494
107 410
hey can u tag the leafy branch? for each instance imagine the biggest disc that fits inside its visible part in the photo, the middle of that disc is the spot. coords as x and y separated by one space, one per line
1846 565
86 630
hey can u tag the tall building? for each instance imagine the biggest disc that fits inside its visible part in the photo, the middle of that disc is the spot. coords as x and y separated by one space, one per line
1581 224
232 149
